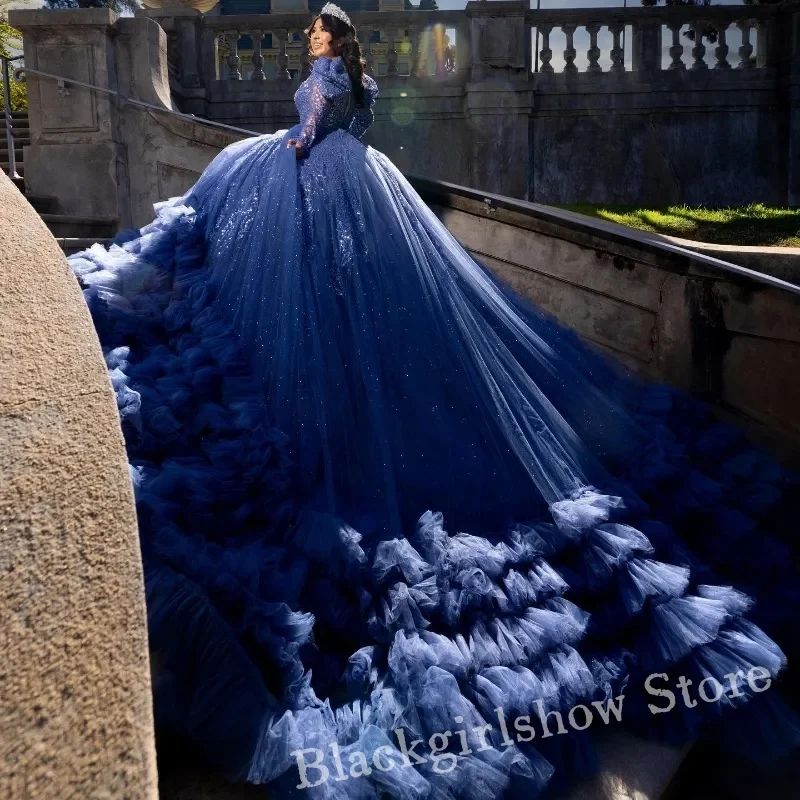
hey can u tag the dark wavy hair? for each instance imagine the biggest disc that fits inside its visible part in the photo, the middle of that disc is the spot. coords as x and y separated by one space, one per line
345 44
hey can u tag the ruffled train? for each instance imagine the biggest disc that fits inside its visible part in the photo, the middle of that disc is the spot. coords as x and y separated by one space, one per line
277 626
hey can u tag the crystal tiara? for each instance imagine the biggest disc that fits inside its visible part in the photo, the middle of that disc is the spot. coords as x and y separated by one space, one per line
334 11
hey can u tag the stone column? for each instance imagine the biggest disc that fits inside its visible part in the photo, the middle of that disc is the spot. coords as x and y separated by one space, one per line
646 46
793 188
76 153
190 55
499 97
501 43
189 43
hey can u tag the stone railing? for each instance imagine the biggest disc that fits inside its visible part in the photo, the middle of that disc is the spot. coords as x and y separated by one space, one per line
271 48
719 331
470 43
658 38
398 37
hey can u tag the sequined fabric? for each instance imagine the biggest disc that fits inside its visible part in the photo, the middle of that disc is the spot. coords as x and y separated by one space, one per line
326 102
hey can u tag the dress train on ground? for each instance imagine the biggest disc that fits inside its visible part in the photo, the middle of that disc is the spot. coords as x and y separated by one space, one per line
381 498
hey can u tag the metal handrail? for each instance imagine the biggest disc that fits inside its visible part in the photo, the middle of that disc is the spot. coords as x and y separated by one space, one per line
64 82
9 122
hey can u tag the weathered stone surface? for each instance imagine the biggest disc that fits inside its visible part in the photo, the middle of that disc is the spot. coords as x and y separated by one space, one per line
65 171
668 313
75 698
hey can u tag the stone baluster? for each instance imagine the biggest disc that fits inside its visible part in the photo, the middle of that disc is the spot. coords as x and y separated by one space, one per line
367 33
233 61
188 34
617 53
593 53
391 54
305 61
282 59
258 59
570 53
676 50
721 50
646 46
746 50
463 47
699 49
546 54
438 32
769 35
209 48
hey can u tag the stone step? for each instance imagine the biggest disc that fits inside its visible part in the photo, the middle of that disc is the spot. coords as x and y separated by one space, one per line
75 244
17 153
19 166
67 225
41 203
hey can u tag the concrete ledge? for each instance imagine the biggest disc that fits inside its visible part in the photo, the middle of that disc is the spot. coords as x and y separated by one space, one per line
75 698
779 262
701 323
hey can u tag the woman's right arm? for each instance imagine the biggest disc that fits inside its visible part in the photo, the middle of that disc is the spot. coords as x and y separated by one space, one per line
309 123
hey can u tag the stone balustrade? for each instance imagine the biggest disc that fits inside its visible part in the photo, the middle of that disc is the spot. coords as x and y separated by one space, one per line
659 38
403 39
438 44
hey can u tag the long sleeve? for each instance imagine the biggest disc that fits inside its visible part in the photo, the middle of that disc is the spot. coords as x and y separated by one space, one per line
312 116
364 117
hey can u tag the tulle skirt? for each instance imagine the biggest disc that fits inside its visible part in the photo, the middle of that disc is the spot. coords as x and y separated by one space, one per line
383 499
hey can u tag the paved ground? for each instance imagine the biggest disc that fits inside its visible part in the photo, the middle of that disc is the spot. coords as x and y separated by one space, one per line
708 775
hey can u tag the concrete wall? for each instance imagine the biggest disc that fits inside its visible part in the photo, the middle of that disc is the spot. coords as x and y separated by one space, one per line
96 155
75 700
666 141
671 315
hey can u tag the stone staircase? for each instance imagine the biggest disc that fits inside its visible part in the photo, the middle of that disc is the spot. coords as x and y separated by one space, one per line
73 233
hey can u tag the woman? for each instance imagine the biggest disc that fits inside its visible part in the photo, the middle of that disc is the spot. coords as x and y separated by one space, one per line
383 499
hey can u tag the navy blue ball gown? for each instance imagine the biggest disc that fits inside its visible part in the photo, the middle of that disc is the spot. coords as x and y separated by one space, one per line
382 497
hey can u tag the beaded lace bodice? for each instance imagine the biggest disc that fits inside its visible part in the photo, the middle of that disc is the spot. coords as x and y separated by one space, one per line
326 103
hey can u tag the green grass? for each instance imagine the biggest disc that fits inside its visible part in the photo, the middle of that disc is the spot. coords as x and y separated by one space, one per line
755 224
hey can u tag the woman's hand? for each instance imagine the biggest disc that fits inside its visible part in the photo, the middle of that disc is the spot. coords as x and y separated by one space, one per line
298 147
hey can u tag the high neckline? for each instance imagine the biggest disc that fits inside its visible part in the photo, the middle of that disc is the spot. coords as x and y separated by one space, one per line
327 58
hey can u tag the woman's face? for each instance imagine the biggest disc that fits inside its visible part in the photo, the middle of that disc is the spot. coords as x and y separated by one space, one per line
321 40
